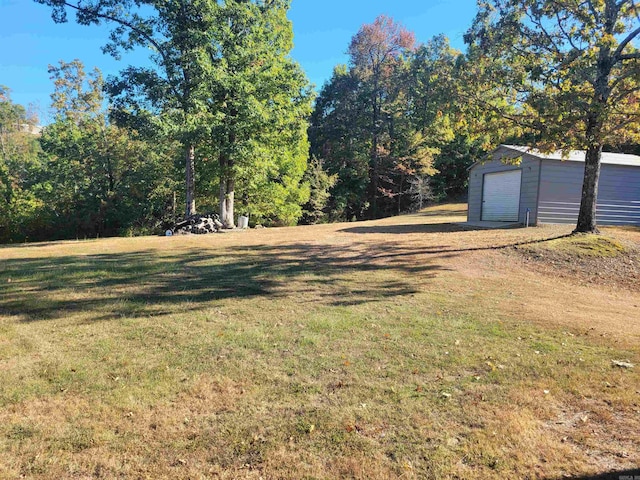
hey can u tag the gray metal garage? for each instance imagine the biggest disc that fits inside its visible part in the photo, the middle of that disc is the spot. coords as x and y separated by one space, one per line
519 179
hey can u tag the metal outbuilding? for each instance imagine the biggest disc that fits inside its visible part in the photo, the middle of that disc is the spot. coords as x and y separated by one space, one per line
520 180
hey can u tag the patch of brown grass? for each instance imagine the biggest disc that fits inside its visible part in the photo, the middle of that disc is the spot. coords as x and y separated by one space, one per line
404 348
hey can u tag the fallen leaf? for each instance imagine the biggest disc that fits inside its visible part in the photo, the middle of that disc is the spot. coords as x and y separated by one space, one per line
618 363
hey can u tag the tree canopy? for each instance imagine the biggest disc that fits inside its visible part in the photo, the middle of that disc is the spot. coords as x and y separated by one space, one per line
567 71
380 123
223 107
19 166
179 34
221 82
259 100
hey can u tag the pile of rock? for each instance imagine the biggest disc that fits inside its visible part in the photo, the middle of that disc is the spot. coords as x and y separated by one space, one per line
198 225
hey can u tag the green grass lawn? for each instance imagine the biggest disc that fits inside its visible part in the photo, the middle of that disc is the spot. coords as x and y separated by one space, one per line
313 352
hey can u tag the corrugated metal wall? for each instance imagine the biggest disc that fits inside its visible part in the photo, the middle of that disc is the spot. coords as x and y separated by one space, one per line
530 167
561 188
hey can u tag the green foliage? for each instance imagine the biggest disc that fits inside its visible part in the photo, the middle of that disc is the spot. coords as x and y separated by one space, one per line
180 34
19 167
380 124
320 184
452 162
565 64
171 95
379 57
103 180
338 137
82 177
260 101
396 127
222 84
568 72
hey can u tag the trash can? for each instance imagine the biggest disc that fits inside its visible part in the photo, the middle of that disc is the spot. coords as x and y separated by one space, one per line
243 221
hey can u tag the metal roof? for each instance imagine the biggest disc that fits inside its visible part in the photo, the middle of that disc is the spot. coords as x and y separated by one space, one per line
578 156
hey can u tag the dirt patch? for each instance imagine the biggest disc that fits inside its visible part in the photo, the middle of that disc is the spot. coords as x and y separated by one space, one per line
585 260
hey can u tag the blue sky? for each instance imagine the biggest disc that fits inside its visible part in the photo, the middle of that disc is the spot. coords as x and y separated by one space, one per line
31 41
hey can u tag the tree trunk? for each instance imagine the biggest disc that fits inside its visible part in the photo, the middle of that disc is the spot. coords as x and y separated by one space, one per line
595 122
222 199
227 199
374 161
374 179
227 192
230 197
587 215
190 180
174 207
400 194
223 188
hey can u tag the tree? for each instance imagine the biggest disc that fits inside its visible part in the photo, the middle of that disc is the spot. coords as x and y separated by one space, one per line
222 82
97 179
259 102
320 184
570 69
376 53
19 165
416 115
179 33
445 120
361 115
338 135
438 119
452 164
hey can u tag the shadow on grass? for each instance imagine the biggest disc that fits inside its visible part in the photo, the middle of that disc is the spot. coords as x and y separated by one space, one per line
56 243
146 283
442 228
621 475
409 228
425 228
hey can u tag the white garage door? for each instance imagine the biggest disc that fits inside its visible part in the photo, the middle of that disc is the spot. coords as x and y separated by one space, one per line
501 196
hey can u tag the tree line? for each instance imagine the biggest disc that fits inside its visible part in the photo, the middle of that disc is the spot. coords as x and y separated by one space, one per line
222 119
